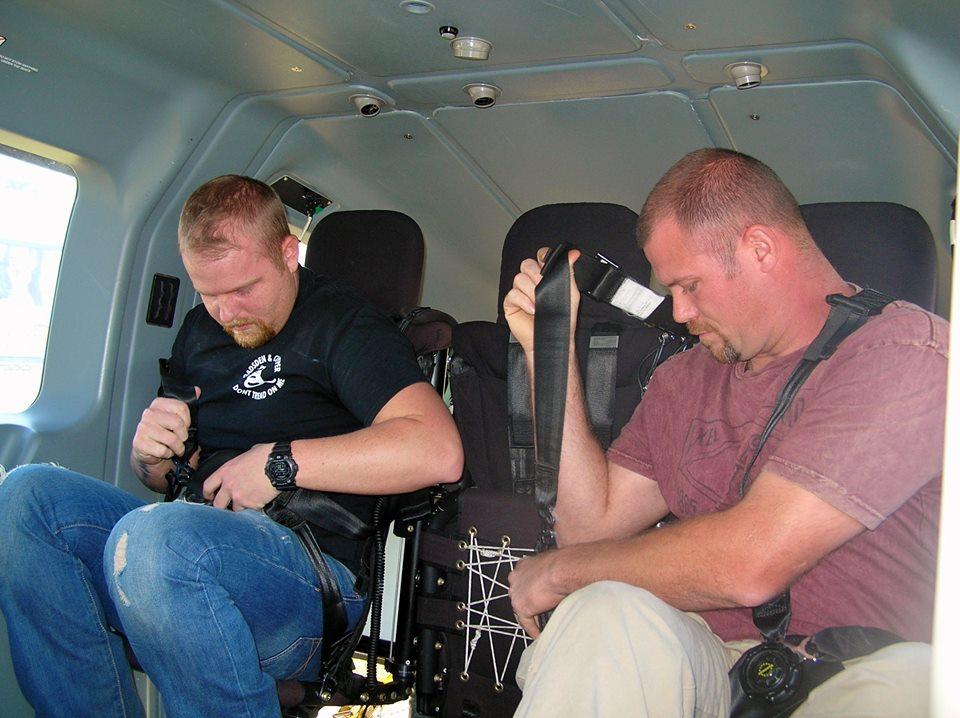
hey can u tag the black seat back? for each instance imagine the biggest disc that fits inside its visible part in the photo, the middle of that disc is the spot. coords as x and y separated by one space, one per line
464 609
377 252
881 245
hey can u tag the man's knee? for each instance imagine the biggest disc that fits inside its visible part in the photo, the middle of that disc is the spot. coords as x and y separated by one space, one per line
29 484
609 605
611 612
25 495
150 550
893 681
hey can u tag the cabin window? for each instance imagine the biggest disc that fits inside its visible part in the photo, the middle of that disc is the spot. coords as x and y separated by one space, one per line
36 199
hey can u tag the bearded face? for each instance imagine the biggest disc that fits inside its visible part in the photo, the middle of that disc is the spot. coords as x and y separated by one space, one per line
249 332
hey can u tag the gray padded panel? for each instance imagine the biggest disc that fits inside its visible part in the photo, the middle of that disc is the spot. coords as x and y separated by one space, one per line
594 150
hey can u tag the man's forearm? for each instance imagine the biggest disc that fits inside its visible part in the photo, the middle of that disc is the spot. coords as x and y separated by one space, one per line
583 480
685 565
403 453
153 476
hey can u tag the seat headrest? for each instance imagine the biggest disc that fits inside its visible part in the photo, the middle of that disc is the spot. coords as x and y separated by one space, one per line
377 252
592 226
881 245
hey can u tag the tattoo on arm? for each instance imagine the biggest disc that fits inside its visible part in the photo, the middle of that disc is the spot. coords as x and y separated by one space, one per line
143 471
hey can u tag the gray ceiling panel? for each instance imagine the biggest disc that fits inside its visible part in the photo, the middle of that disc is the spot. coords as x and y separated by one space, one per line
794 62
773 22
544 82
376 167
607 150
378 37
175 35
843 141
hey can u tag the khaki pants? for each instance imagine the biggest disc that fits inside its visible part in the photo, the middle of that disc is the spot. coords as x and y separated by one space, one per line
612 649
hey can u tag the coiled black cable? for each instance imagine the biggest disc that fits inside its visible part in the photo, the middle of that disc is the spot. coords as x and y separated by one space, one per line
376 601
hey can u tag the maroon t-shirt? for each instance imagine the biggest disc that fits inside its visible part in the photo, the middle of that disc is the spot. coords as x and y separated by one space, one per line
865 434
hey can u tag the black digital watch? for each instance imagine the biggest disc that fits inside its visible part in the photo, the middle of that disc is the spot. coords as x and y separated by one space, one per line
281 469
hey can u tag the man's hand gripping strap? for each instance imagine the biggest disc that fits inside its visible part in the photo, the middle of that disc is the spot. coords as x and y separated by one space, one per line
173 387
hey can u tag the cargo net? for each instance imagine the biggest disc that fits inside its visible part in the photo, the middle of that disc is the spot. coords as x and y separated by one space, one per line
487 568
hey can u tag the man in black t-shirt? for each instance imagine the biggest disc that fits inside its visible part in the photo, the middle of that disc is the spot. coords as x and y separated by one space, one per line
308 387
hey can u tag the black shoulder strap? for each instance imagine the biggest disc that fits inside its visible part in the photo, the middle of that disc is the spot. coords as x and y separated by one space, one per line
847 314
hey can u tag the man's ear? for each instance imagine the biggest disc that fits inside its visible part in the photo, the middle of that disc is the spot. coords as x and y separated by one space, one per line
760 247
290 251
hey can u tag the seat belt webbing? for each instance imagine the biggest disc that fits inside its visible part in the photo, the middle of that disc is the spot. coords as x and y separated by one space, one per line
601 383
847 314
173 387
519 420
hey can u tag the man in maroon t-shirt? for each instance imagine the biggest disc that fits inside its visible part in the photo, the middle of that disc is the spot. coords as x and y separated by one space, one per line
843 501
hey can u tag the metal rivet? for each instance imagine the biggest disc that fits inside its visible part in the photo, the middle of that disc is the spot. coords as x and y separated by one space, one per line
410 529
440 581
326 696
754 117
437 646
296 68
437 678
364 697
690 26
408 136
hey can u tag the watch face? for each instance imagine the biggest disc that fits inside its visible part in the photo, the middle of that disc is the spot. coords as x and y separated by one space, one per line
281 471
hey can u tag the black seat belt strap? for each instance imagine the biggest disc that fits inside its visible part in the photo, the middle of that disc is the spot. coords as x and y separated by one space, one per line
602 379
174 387
520 420
847 314
551 354
334 613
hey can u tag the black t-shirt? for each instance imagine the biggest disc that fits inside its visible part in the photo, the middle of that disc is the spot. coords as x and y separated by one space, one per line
329 371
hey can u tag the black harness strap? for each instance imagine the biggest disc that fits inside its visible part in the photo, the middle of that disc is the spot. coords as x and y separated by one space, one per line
173 387
520 420
601 381
847 314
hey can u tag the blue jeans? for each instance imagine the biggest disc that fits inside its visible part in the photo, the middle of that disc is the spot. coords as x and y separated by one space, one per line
216 605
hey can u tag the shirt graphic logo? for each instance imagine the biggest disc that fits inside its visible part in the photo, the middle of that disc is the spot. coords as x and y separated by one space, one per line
254 384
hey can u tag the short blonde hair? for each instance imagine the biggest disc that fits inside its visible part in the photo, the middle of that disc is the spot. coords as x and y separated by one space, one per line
714 194
220 209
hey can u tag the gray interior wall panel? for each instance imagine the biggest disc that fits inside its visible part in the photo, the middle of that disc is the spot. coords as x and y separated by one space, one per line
363 163
597 150
229 147
868 143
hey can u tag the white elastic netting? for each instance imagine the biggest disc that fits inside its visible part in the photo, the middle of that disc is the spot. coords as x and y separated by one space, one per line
487 568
